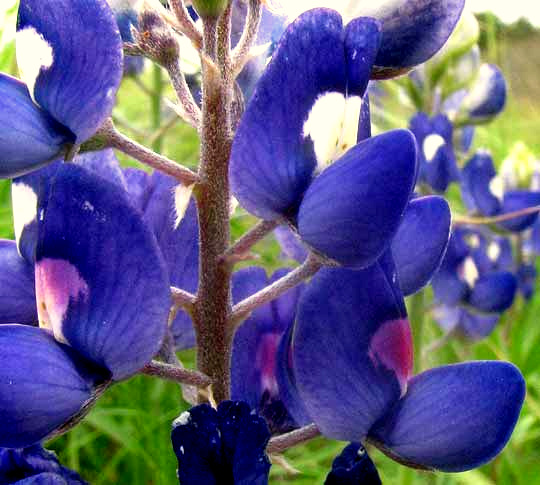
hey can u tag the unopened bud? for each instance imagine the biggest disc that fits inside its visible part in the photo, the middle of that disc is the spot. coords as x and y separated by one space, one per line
156 39
209 8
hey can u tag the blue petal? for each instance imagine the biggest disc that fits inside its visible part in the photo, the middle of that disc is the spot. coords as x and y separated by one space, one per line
83 68
516 200
42 384
290 244
30 138
362 40
477 175
139 186
348 383
34 465
420 243
353 466
101 283
487 96
477 326
526 275
244 437
196 440
103 163
272 163
449 288
369 188
454 418
17 294
415 30
179 245
364 122
494 292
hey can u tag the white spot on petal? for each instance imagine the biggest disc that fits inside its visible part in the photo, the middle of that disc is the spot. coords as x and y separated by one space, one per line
474 241
182 420
25 202
233 204
34 53
496 187
494 251
87 206
470 271
182 196
431 146
332 124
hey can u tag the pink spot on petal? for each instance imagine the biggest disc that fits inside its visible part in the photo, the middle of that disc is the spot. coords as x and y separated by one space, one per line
391 346
265 361
57 282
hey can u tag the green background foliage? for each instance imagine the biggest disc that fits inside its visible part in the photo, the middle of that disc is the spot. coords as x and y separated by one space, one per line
126 438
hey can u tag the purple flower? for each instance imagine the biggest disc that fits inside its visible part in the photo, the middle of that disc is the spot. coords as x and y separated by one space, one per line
70 57
436 158
278 169
256 348
102 297
358 385
226 445
491 194
475 273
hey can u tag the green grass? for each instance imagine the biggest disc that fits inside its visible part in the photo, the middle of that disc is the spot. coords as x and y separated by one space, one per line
125 438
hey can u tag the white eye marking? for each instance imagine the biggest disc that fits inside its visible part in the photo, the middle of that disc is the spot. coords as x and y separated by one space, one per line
431 146
332 124
496 187
494 251
25 202
470 271
474 241
182 196
34 53
182 420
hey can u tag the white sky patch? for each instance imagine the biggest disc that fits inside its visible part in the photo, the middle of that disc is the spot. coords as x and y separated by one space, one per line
332 124
431 146
34 53
470 271
494 251
182 196
24 201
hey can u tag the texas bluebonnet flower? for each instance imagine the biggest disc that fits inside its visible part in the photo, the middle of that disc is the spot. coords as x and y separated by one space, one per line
475 273
417 248
34 465
255 356
412 30
492 194
102 299
226 445
69 54
358 385
526 276
353 466
436 158
278 172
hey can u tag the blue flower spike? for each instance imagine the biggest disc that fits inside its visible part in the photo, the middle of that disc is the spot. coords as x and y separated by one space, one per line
102 297
358 386
34 465
70 58
353 466
226 445
280 171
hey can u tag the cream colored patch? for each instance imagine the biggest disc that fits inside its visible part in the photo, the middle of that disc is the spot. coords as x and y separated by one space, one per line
431 146
494 251
481 88
182 196
34 53
496 187
470 271
332 124
182 420
24 201
474 241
